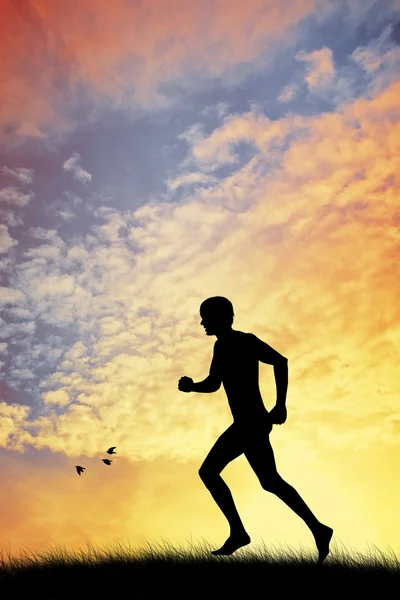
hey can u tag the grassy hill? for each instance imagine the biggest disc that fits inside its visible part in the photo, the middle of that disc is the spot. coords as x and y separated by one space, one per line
169 573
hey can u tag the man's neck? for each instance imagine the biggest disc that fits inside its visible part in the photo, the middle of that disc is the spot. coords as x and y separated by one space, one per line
225 335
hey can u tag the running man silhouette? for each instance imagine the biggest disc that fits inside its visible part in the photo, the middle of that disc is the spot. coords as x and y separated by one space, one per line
235 365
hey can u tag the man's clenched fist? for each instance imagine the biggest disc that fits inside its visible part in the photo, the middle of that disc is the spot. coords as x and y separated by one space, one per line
278 415
185 384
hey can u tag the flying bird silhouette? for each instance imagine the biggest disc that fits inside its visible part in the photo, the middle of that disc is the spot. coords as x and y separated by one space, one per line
79 469
111 450
105 460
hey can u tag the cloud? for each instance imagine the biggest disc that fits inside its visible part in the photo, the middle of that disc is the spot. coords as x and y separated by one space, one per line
9 218
190 179
366 72
66 214
77 171
379 60
18 331
12 420
19 313
11 195
124 297
208 153
220 110
320 68
6 241
58 397
369 9
288 93
8 295
127 55
50 235
23 175
132 59
20 375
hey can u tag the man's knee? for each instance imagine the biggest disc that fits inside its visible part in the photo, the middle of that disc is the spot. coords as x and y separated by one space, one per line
272 483
207 475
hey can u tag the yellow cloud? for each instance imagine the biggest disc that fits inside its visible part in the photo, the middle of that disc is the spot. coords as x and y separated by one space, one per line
57 397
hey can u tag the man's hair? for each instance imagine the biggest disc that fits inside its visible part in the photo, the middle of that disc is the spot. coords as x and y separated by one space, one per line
219 306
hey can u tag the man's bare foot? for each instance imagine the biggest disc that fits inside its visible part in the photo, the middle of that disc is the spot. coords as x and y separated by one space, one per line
322 537
233 542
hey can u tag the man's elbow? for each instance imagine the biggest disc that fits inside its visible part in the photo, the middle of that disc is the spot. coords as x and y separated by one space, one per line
281 361
215 384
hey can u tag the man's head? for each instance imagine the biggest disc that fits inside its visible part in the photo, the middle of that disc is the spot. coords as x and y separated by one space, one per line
216 314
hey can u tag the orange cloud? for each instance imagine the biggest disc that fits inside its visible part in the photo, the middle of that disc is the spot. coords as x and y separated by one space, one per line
321 70
53 52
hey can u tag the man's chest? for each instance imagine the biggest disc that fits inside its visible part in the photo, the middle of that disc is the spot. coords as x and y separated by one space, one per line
235 360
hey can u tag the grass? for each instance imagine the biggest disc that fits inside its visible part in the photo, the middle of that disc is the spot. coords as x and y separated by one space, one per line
166 572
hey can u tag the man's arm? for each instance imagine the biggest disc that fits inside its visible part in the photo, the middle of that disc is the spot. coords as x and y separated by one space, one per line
281 373
268 355
207 386
212 383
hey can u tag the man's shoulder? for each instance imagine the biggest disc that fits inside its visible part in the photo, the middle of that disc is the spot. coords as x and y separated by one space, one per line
237 335
249 335
252 341
245 337
243 334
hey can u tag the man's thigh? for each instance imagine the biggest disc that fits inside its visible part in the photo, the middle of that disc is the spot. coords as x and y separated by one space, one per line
258 451
228 446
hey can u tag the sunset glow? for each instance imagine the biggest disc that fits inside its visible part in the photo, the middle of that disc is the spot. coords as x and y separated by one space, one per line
157 153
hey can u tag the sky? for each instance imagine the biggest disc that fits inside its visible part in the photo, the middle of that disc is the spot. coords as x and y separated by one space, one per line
154 154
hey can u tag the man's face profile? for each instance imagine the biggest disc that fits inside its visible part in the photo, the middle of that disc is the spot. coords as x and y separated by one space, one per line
213 321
